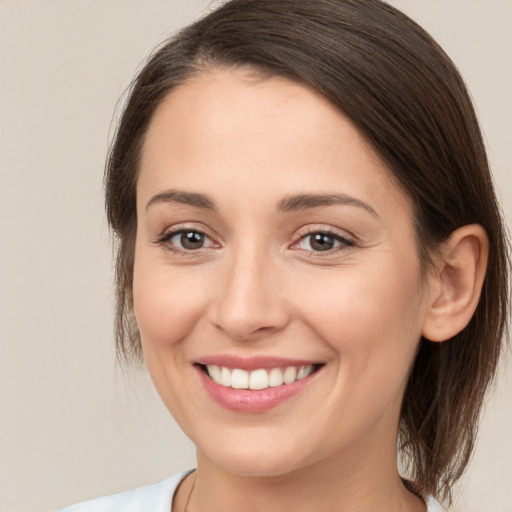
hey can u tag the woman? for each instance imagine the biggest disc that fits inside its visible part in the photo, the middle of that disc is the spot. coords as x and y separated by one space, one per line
311 260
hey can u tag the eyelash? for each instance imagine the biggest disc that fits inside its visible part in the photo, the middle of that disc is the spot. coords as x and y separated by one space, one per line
169 235
344 242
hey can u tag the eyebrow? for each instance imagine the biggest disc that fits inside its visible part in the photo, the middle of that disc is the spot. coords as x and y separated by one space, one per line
288 204
182 197
306 201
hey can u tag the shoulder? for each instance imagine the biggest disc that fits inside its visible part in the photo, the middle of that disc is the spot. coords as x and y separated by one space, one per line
156 497
433 505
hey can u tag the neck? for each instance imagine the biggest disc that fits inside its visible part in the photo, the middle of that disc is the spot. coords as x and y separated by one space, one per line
335 485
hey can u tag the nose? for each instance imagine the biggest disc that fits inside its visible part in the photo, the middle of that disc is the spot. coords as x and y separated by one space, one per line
249 303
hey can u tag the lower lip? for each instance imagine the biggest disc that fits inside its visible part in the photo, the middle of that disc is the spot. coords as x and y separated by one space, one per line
252 401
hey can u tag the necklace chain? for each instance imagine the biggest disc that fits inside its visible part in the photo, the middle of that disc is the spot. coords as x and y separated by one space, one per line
185 509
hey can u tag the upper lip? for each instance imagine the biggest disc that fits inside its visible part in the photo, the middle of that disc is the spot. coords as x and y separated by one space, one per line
252 363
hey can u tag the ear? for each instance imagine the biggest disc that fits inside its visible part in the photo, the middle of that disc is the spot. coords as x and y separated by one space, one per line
456 283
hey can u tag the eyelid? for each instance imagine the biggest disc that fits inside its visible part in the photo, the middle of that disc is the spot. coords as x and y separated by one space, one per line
208 241
165 237
325 228
347 239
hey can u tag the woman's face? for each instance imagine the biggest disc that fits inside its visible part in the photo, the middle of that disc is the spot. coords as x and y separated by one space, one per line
272 240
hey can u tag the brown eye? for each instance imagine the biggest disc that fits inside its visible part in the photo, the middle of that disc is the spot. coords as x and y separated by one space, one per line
190 240
323 242
186 240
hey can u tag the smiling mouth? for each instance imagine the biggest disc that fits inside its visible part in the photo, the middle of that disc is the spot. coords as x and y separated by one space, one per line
258 379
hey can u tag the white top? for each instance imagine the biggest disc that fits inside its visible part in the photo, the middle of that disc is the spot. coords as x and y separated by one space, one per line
157 498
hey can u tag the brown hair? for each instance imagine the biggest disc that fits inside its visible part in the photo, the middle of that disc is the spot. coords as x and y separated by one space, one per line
407 98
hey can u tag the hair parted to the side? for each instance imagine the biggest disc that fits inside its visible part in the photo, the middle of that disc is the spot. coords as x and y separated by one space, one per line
407 98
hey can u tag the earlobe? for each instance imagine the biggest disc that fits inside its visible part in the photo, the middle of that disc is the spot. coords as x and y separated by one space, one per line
456 285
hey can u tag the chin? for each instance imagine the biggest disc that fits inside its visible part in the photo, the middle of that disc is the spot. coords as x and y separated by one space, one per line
255 460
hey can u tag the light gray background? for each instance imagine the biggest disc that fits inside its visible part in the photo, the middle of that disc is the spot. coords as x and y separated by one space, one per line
74 424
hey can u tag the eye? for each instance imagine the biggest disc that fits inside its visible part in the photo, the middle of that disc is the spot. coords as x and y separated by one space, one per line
187 240
322 241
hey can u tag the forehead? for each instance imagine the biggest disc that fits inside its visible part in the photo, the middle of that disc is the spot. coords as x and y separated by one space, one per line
254 133
219 102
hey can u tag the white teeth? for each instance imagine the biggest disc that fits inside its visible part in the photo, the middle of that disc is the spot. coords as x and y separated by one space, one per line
225 377
304 372
290 374
275 377
215 372
239 379
257 379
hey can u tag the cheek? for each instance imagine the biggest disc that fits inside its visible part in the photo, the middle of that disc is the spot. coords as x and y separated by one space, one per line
371 318
372 325
167 304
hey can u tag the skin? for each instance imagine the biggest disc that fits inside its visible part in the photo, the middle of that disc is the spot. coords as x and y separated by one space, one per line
257 287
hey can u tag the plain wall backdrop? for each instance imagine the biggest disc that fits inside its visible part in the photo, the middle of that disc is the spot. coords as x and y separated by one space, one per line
74 424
